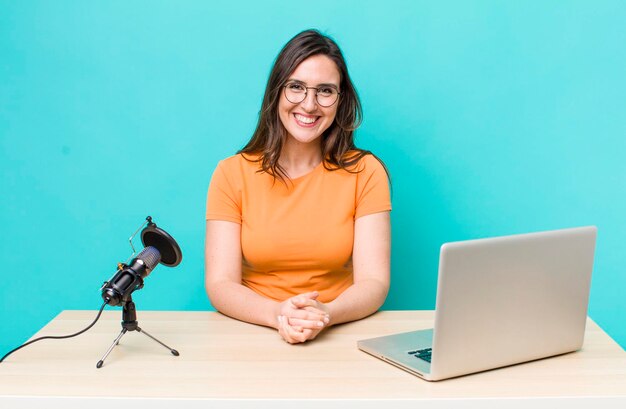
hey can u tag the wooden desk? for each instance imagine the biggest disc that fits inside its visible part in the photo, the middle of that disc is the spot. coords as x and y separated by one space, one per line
227 363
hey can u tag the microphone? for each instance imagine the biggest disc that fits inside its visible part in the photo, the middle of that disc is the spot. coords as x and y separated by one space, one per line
130 277
160 247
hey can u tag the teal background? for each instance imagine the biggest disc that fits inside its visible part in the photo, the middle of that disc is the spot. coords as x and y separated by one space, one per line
493 117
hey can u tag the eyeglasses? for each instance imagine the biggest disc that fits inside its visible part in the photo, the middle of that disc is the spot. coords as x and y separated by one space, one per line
325 95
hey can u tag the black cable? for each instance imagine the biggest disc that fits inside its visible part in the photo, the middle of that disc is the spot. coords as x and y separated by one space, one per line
57 337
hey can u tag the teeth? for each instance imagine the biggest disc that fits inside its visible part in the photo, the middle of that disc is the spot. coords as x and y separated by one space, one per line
305 119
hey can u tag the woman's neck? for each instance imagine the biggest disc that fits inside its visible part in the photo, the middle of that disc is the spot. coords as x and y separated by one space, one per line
298 159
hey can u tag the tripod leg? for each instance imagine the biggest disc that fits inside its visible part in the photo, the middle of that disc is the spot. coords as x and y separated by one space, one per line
173 351
116 342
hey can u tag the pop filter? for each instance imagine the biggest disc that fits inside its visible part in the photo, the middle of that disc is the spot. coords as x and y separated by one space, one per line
158 238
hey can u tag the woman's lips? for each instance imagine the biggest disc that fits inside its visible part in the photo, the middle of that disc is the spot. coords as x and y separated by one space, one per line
306 121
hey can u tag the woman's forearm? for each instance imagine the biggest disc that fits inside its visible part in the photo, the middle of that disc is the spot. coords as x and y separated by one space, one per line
358 301
240 302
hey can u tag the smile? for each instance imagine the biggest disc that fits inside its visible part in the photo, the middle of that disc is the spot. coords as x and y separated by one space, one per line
306 121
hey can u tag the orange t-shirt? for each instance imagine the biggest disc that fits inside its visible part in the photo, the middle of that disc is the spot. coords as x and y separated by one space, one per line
296 237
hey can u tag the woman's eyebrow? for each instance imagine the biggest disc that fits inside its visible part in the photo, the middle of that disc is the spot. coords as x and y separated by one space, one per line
324 84
327 84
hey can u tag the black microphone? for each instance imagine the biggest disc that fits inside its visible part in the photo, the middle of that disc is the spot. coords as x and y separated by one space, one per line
160 248
129 278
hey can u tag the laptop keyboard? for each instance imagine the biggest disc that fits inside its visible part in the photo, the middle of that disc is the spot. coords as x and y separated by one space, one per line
424 354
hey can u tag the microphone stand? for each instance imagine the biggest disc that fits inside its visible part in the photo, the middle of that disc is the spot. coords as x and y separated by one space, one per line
129 323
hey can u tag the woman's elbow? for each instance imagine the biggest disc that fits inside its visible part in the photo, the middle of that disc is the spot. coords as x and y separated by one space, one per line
380 290
213 291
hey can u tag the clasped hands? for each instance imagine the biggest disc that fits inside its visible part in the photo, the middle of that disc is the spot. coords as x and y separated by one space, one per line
301 318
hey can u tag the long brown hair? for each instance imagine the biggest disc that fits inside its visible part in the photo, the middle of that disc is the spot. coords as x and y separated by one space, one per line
338 148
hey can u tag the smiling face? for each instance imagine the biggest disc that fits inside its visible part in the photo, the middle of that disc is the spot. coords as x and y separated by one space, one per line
306 121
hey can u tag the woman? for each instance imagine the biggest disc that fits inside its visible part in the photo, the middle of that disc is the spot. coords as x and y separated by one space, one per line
298 230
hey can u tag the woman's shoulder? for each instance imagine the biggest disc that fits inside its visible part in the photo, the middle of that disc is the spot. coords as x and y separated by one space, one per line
236 169
240 161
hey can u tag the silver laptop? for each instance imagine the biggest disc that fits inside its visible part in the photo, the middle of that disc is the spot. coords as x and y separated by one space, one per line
500 301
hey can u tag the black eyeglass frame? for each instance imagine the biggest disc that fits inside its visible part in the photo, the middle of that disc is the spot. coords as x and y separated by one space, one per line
306 91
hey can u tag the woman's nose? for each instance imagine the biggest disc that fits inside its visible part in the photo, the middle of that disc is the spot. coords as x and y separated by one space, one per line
310 101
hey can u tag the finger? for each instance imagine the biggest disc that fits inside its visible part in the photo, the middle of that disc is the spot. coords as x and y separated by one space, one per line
305 297
292 336
282 330
303 302
317 310
314 334
312 295
313 325
293 325
303 313
299 336
295 336
306 315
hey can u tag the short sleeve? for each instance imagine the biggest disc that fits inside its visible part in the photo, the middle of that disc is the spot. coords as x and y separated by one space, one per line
224 196
372 194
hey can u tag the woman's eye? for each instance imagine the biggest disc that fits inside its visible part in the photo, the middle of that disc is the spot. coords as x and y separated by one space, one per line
296 87
325 91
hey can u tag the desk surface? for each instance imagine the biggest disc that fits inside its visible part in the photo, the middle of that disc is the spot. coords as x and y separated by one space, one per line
221 358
